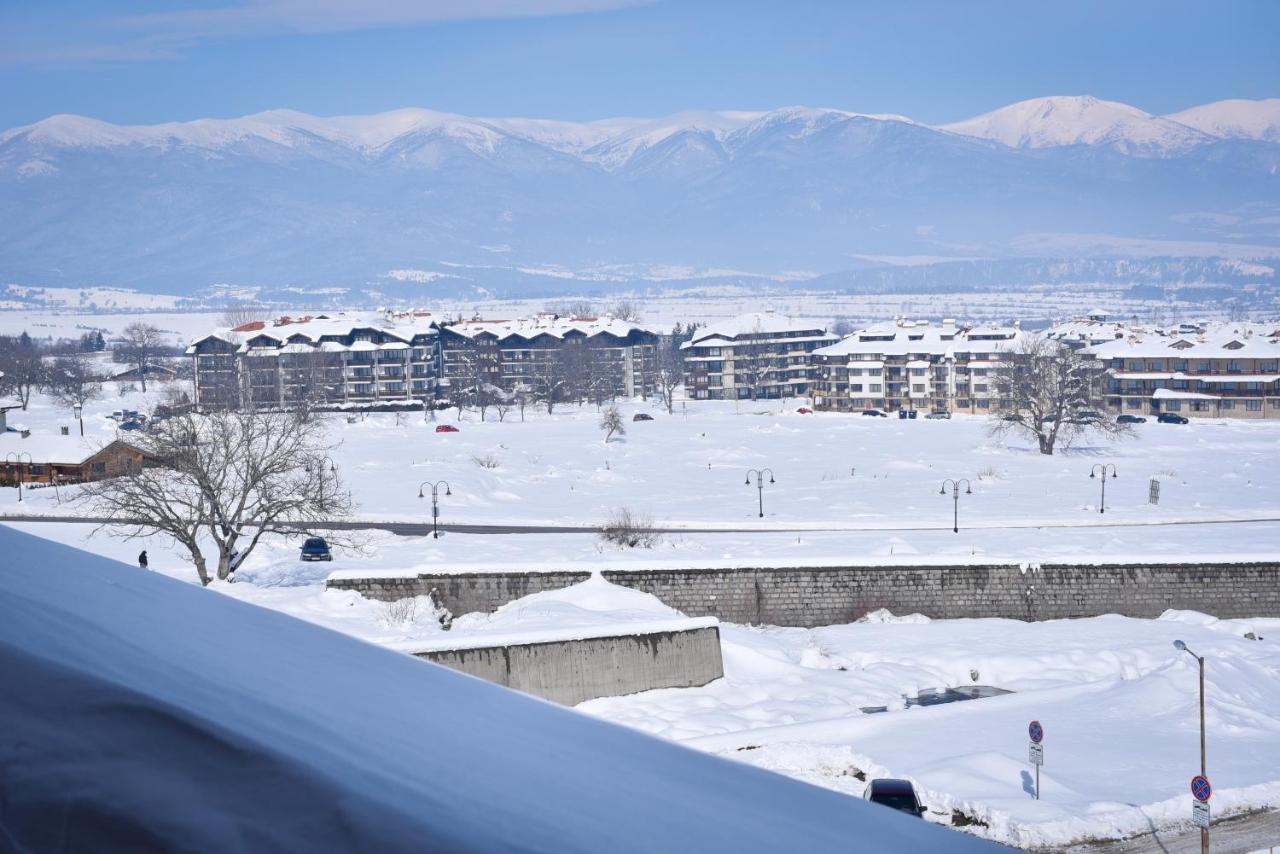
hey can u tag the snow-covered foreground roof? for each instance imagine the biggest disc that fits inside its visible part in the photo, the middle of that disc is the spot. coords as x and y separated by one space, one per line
143 713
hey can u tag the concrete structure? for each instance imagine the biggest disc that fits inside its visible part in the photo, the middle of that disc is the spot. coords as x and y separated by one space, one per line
591 357
1226 371
608 664
832 594
908 364
758 355
336 359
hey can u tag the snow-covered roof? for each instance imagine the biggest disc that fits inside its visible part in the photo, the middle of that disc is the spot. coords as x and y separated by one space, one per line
758 323
237 726
400 326
1225 341
547 324
50 447
904 338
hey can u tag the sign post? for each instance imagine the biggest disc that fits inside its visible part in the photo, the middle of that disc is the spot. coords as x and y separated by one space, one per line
1035 750
1201 791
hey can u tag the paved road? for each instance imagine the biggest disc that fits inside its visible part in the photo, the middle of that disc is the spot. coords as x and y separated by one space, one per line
418 529
1258 831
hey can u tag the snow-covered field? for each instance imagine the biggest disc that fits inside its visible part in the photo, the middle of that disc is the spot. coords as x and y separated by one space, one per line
1117 700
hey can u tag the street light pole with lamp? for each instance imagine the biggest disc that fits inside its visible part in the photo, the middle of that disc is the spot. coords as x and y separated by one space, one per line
1101 469
14 458
1204 831
955 497
78 411
435 503
759 473
333 469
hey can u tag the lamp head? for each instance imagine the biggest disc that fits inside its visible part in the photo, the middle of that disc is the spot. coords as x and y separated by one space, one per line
446 490
1093 473
748 480
1179 645
419 492
967 490
771 480
943 491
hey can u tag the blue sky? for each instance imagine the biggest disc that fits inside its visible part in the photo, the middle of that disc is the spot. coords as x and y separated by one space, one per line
142 61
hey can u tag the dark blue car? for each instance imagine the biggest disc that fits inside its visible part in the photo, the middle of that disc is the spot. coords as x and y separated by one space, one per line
315 548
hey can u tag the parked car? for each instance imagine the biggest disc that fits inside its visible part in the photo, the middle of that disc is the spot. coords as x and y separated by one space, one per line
1171 418
804 410
130 425
446 428
315 548
875 413
642 416
1130 419
1087 416
938 416
896 794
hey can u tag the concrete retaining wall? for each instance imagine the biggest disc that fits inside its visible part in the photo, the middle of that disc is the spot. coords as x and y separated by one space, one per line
572 671
809 596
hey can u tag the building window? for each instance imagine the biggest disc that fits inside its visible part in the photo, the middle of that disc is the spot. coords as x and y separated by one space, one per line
1172 405
877 387
1253 405
98 468
1227 404
1133 403
984 404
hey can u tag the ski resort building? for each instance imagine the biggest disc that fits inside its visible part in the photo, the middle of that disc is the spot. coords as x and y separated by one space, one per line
752 356
1227 371
908 364
588 357
326 360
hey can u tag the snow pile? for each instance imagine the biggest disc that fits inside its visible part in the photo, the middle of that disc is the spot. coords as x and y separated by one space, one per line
184 720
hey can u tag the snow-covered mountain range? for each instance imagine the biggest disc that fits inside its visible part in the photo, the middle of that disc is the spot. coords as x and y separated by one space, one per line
286 197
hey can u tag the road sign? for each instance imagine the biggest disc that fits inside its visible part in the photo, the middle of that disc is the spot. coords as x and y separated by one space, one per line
1200 788
1200 813
1035 754
1035 732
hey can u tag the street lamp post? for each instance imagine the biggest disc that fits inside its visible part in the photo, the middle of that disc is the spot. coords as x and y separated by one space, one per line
78 411
14 458
435 503
955 499
333 469
1204 831
760 473
1100 469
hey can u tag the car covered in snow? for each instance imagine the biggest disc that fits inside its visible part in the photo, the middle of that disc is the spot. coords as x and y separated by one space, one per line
875 413
446 428
1130 419
315 548
1171 418
895 794
939 415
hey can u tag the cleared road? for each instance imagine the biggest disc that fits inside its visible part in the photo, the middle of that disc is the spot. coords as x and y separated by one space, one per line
1248 833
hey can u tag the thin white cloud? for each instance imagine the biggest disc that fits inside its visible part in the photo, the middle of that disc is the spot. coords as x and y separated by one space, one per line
167 35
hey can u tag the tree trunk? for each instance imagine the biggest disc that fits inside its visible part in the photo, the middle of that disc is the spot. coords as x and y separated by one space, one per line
202 569
1046 445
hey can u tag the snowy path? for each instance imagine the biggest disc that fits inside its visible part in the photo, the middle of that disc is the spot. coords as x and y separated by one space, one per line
1256 832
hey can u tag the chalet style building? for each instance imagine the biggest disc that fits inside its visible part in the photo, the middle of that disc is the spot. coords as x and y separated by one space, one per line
597 357
752 356
37 458
1226 371
330 360
908 364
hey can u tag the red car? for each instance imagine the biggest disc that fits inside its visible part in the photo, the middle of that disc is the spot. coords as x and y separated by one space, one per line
804 410
446 428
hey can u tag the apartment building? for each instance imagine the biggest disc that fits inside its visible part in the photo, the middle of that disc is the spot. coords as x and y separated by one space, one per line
592 357
337 359
1224 371
907 364
752 356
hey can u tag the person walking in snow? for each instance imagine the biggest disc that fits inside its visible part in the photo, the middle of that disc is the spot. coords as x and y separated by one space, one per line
142 559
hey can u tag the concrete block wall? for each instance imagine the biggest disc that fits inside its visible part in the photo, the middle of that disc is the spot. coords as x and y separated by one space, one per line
807 596
573 671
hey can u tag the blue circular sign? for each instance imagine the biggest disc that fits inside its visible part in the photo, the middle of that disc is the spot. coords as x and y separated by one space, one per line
1200 788
1036 732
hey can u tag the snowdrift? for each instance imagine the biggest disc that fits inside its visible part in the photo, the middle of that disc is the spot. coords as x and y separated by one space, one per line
141 713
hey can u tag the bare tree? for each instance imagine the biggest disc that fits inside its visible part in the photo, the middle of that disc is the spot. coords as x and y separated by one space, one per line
611 423
72 381
842 326
574 308
549 382
625 309
140 345
240 313
668 371
231 476
751 362
1044 390
22 370
521 397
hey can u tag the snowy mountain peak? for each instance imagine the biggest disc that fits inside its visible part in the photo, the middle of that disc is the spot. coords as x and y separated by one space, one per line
1080 120
1237 118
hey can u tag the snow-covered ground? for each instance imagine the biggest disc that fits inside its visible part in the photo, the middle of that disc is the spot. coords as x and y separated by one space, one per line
1117 701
